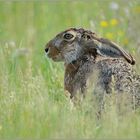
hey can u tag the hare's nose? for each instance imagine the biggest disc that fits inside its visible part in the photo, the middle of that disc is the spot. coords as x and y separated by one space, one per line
46 50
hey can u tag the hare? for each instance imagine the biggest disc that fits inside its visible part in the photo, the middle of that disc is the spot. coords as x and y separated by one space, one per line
84 53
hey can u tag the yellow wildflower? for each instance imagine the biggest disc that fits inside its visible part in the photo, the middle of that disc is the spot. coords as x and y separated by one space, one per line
137 9
103 23
125 41
109 35
113 22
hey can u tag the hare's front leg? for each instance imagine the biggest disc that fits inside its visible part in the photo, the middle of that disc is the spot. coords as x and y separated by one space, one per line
74 100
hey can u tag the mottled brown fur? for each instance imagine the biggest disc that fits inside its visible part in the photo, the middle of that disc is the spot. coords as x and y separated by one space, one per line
85 55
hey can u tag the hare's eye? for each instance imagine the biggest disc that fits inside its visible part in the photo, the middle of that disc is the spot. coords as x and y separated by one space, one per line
68 36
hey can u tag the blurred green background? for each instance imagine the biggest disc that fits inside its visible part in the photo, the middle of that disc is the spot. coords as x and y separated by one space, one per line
32 100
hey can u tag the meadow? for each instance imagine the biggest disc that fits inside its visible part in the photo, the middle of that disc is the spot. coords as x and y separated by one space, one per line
32 100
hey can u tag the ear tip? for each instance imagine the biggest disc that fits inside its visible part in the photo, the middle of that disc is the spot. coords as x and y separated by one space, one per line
133 62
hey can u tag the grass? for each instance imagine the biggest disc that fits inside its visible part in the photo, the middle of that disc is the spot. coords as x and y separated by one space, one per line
32 100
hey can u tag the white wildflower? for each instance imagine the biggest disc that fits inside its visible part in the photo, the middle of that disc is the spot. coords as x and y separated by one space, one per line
127 12
12 44
114 6
21 52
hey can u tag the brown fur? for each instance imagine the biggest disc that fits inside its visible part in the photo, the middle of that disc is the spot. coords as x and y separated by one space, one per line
84 55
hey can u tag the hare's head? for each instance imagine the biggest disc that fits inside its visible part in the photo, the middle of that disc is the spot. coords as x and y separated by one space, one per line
71 44
65 46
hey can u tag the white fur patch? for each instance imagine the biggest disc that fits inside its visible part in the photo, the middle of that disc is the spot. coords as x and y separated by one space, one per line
72 54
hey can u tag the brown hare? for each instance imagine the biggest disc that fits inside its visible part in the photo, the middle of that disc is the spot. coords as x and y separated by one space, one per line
84 53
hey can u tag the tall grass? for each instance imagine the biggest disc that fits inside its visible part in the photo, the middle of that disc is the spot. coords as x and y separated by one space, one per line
32 100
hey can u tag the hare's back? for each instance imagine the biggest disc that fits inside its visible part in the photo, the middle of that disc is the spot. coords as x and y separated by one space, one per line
119 73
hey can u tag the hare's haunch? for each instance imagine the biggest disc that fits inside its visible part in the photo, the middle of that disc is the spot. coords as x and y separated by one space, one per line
85 54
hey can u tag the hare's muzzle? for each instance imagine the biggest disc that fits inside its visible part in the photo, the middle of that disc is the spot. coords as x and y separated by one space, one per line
47 50
52 51
48 47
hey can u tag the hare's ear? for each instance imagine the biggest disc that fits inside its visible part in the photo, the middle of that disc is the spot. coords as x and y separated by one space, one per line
106 47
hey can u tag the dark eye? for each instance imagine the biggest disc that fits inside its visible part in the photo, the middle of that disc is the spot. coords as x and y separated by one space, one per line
68 36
